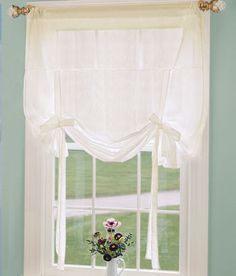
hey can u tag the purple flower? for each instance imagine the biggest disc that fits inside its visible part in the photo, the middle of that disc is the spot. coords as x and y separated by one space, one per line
101 241
107 257
113 247
117 236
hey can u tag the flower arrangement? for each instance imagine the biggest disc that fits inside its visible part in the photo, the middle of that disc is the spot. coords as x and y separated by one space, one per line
113 244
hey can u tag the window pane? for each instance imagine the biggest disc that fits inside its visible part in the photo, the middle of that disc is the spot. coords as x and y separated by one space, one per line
128 220
68 139
168 237
117 182
78 178
77 232
168 184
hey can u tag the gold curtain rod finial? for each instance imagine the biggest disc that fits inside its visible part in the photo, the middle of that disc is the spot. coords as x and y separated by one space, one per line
16 11
215 6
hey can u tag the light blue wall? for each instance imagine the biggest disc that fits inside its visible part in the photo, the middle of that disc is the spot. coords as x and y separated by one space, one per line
12 180
222 220
222 213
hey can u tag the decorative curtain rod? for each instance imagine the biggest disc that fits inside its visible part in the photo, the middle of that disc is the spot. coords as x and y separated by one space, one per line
215 6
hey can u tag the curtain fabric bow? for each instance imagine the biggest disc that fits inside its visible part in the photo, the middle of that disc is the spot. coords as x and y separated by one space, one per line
152 239
56 122
57 126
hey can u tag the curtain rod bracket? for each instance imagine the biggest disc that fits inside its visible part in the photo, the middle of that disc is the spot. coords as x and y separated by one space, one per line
215 6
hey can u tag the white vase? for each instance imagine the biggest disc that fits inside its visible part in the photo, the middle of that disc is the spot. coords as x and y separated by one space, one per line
115 267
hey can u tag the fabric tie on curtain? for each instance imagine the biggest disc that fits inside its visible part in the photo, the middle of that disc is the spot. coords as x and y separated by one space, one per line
56 122
152 238
61 206
55 126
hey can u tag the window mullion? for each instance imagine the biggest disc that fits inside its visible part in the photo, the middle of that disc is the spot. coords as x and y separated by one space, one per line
114 209
93 205
138 232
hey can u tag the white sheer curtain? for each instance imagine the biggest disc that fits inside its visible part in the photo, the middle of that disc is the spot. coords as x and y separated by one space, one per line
114 78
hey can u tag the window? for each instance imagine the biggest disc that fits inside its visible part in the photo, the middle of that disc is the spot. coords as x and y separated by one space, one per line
96 189
177 226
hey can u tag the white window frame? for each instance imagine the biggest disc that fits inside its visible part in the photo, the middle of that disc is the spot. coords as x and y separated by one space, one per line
39 177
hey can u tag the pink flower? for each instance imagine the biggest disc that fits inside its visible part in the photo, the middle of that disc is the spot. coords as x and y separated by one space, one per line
109 238
111 223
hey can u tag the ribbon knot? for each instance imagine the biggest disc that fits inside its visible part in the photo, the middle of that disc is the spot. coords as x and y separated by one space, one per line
173 133
56 122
